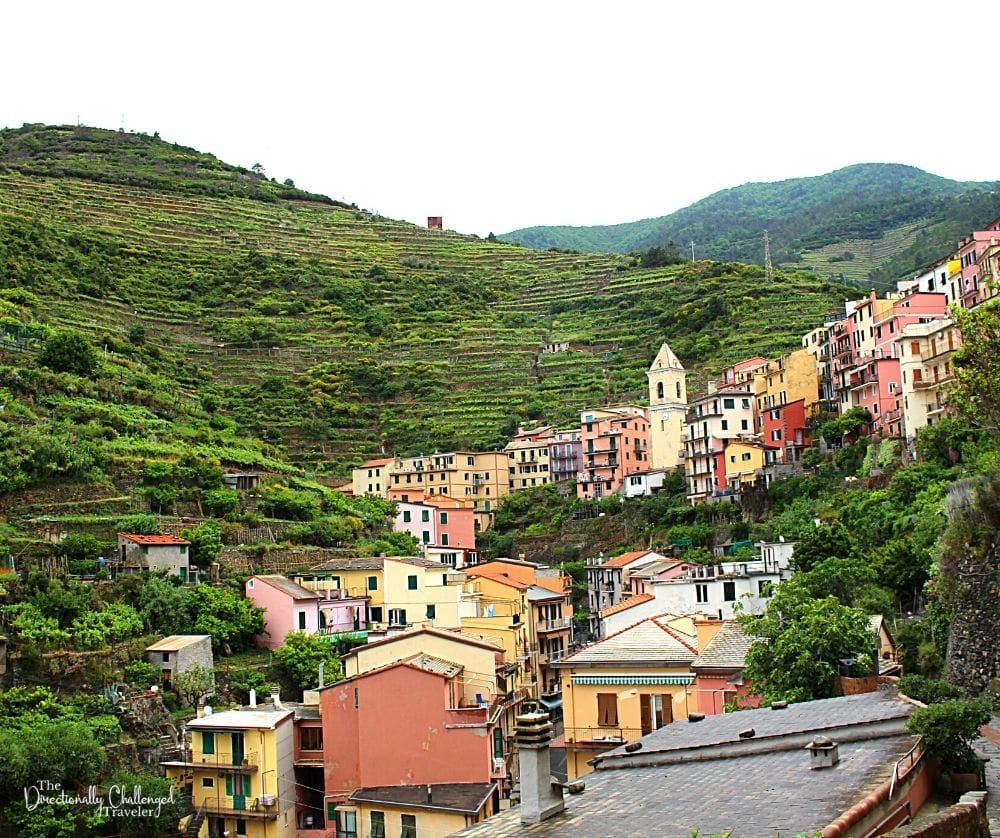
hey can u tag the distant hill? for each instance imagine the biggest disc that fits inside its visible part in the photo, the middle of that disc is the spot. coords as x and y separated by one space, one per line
898 218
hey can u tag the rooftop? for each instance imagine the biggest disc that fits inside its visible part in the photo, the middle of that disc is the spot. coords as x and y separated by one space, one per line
625 604
625 559
651 641
141 538
727 650
468 798
373 563
287 586
177 641
258 718
703 777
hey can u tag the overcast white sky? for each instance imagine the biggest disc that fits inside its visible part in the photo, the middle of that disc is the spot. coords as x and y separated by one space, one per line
506 115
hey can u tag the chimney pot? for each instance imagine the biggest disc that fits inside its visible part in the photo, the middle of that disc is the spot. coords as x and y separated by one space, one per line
253 697
749 733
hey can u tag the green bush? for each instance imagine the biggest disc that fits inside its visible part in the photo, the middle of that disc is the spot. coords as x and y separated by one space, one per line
948 730
68 351
930 690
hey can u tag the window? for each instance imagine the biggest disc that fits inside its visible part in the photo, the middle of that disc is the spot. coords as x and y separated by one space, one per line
607 709
765 588
744 426
166 657
411 582
729 404
725 424
375 614
701 592
377 824
729 591
407 826
444 535
207 783
471 461
746 403
498 742
775 435
431 611
406 516
207 742
347 824
746 455
425 537
425 515
372 583
311 738
444 517
302 620
397 616
241 826
659 390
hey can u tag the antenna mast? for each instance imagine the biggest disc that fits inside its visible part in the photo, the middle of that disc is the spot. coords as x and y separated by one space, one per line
768 267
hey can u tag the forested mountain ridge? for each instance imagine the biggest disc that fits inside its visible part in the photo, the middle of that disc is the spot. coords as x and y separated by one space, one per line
917 215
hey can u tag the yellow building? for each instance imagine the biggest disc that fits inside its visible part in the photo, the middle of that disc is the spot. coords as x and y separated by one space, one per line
239 768
421 811
743 460
401 590
528 459
667 409
623 687
480 476
790 378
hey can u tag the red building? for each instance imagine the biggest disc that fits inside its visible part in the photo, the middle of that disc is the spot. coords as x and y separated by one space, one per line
785 432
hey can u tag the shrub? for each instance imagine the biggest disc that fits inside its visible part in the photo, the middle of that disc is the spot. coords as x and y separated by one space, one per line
948 729
930 690
68 351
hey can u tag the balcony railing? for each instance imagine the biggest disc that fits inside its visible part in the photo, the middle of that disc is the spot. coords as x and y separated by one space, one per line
556 624
610 737
245 764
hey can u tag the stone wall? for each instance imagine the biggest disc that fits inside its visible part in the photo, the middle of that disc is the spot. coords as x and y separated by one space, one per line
966 819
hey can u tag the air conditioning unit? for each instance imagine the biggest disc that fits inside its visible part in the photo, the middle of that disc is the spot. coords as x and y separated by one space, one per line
267 800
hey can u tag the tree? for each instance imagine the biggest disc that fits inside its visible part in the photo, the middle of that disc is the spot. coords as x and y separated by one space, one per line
976 391
194 684
206 542
229 618
139 525
159 818
163 606
948 729
68 351
801 642
299 659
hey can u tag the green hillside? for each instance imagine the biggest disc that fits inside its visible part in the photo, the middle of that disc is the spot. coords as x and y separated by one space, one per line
870 202
266 323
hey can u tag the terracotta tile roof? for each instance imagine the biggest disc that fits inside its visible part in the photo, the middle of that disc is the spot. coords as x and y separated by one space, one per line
728 649
384 461
170 540
625 604
473 573
552 583
627 558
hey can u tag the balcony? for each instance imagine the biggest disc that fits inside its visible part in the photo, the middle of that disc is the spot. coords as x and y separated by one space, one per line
216 762
557 624
600 737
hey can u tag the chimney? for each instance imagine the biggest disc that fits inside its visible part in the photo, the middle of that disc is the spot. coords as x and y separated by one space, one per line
253 697
539 799
276 698
430 793
823 752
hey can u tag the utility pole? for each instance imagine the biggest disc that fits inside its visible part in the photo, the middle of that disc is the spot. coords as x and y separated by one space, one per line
768 267
692 250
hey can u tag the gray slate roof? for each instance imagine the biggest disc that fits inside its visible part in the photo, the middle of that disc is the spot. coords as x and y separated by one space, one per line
648 641
702 776
727 650
456 797
374 563
287 586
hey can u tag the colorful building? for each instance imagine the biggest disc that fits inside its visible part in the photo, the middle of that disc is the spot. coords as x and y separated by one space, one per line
156 553
621 688
287 607
239 767
926 372
615 443
528 458
434 810
718 669
565 455
607 581
713 423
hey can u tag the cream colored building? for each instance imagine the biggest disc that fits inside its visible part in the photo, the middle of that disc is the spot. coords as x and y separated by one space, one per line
667 408
925 364
528 461
431 810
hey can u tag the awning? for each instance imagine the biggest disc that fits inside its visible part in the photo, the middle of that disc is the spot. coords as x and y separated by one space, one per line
633 680
551 703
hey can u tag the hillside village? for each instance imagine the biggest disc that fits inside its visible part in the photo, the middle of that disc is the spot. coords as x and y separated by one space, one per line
299 656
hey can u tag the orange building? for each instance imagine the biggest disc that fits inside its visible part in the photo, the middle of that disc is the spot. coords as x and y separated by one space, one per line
615 443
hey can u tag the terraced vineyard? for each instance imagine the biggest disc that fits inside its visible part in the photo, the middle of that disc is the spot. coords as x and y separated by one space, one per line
866 255
335 333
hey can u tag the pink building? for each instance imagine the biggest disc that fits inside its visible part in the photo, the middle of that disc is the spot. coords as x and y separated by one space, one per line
287 607
972 289
718 669
404 724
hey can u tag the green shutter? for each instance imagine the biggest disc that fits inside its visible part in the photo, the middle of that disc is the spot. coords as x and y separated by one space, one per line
229 785
207 742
